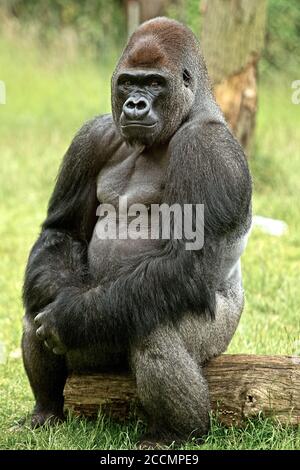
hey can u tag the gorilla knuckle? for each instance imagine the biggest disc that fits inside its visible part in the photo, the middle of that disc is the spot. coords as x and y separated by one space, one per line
41 333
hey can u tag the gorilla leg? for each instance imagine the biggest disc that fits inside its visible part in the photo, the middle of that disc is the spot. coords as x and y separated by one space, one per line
47 375
170 386
167 365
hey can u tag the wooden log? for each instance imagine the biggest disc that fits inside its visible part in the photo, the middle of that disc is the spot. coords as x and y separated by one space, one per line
241 386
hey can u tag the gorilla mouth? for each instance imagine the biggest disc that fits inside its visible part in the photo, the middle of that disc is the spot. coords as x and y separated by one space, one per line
139 131
138 124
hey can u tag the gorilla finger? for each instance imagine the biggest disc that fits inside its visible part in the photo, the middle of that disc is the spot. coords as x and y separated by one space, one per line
46 343
51 342
54 346
60 350
41 333
39 318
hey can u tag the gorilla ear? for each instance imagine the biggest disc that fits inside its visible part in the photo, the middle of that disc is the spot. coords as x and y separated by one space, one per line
186 77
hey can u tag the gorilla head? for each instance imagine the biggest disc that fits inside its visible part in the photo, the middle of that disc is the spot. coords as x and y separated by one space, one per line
155 86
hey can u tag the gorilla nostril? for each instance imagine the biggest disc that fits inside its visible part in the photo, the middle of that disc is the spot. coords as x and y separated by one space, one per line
130 105
141 105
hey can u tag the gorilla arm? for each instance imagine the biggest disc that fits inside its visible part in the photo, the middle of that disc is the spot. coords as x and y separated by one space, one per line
207 166
58 258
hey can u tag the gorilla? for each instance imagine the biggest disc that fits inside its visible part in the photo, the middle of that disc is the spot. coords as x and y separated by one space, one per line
150 305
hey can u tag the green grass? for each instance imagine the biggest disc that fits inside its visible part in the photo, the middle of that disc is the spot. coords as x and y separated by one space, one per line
47 101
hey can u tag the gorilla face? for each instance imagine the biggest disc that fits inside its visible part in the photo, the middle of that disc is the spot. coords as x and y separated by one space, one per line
141 96
149 104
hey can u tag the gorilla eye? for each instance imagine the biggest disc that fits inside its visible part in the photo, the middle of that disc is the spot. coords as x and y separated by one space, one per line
127 83
154 83
186 77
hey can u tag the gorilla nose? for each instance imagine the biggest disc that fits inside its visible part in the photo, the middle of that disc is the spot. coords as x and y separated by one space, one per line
136 108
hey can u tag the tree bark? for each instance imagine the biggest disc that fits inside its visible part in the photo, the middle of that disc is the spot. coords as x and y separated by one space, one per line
138 11
241 386
232 38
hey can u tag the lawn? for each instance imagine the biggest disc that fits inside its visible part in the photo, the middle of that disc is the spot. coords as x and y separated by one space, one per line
48 98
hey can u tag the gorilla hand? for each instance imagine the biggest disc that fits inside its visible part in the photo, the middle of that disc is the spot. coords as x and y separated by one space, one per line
47 329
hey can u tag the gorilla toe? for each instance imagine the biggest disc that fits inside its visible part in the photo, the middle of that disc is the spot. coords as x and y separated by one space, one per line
49 418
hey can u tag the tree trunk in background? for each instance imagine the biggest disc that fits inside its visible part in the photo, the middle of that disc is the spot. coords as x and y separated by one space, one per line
133 15
232 38
138 11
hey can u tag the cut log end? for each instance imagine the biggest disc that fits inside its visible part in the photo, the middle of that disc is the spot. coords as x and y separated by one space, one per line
241 387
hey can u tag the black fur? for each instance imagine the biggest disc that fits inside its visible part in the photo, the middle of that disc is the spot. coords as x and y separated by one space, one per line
206 165
162 285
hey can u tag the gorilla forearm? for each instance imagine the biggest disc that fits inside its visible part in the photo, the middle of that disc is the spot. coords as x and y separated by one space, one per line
157 291
59 257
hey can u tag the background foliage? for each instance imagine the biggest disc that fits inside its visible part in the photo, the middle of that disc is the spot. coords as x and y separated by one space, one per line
95 22
101 22
51 60
283 34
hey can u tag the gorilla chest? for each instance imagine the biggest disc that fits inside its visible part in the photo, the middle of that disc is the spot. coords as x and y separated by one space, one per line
121 185
139 178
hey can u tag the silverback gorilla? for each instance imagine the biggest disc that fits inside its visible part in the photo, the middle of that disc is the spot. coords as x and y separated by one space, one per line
153 305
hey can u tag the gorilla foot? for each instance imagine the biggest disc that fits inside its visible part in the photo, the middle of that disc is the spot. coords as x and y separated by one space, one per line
154 442
167 440
50 418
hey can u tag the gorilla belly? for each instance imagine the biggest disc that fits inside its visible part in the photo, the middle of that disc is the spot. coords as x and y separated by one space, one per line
107 256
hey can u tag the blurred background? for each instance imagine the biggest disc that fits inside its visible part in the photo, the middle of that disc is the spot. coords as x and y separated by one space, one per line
56 60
